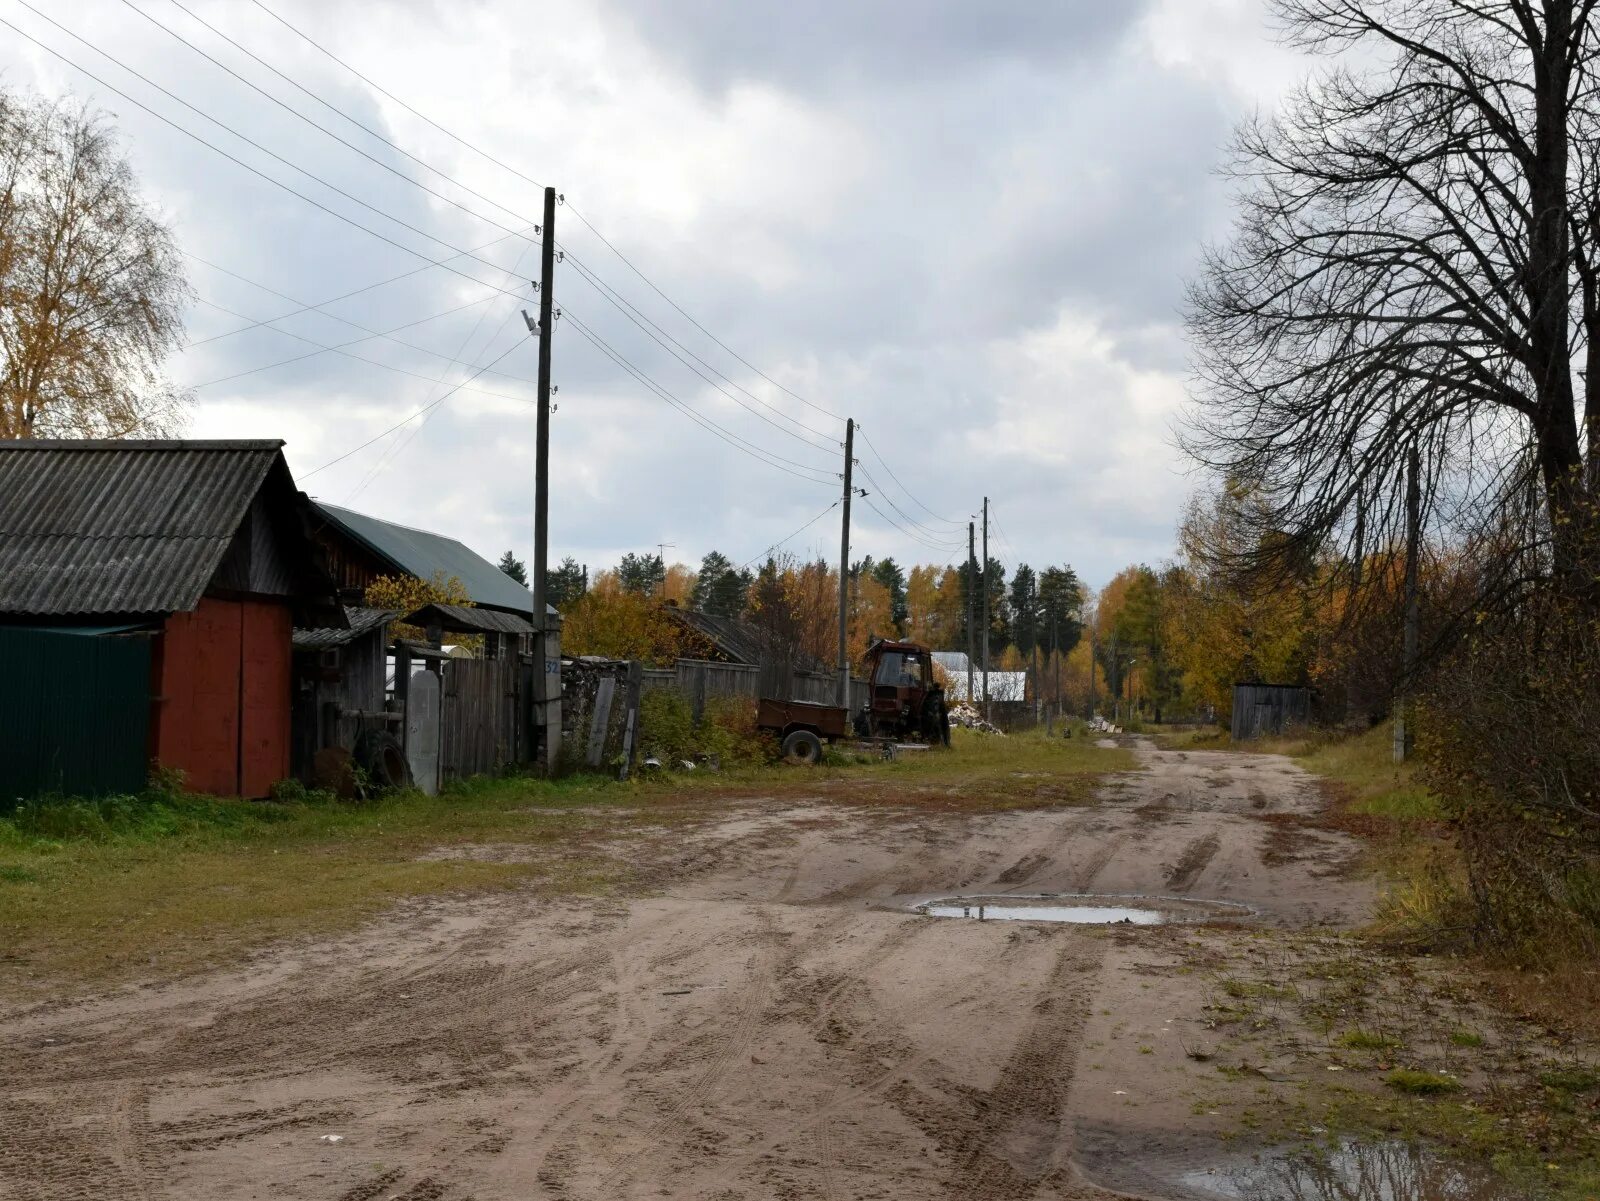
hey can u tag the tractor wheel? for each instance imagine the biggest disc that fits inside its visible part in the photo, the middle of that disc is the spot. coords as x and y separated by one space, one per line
802 746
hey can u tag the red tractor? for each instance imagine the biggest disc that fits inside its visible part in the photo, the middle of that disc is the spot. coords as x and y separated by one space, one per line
904 700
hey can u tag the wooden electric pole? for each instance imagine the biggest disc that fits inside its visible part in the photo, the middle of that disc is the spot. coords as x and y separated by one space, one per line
541 451
844 568
1408 646
972 613
548 683
988 706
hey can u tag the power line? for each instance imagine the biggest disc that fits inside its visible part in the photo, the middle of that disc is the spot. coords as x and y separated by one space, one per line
629 310
877 454
372 334
891 522
768 457
410 416
504 166
322 305
398 447
936 535
322 346
745 566
750 448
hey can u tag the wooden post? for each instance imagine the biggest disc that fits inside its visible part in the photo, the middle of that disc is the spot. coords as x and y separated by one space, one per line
630 731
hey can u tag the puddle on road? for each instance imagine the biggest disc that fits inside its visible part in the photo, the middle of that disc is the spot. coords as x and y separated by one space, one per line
1349 1171
1080 909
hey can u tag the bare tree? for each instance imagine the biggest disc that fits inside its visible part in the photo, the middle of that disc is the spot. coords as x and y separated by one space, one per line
1415 264
91 283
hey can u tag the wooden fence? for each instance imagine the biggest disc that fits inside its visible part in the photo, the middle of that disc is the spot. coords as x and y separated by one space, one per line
478 721
699 680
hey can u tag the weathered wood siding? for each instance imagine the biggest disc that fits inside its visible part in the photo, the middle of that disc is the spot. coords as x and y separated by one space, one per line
478 719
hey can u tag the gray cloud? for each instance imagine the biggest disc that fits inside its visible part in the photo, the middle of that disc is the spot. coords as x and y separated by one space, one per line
969 231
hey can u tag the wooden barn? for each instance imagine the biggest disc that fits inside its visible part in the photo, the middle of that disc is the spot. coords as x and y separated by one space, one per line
155 586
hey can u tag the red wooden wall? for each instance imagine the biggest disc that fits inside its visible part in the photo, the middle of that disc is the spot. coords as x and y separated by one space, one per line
221 677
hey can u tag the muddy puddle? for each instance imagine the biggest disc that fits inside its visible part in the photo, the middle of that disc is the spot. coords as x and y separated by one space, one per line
1348 1171
1080 909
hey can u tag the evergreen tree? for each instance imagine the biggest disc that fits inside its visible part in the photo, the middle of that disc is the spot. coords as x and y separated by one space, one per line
1060 602
566 584
514 567
642 575
1024 608
887 572
720 588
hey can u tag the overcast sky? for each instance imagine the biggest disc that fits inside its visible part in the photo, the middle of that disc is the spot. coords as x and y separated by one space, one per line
965 224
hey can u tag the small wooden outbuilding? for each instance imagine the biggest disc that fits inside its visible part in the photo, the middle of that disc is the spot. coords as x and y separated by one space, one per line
199 549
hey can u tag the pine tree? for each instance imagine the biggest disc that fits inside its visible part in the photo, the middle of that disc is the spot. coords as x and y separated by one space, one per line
514 567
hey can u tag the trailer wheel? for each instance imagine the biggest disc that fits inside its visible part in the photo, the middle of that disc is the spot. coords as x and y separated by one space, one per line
802 746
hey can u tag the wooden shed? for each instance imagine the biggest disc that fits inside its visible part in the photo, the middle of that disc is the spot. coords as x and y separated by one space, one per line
201 547
1262 709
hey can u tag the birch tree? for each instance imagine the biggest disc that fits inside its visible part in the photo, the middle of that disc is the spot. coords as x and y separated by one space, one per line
91 283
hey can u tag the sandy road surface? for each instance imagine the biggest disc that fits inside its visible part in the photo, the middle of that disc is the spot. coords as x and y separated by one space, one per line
769 1024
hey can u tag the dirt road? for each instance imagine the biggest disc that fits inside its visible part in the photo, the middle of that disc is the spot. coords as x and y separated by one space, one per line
767 1020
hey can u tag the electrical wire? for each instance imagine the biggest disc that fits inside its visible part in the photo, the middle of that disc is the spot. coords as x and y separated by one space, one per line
867 500
458 252
936 535
322 346
372 334
750 448
504 166
398 447
309 200
629 310
745 566
410 416
322 305
877 454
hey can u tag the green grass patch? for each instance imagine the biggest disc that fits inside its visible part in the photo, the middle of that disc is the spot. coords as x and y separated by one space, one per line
1364 765
1570 1080
1368 1040
1465 1038
1420 1084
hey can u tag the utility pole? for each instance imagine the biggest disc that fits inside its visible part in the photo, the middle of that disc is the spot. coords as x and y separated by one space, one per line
844 568
1094 654
1055 649
1408 649
541 462
549 682
1033 637
972 612
988 707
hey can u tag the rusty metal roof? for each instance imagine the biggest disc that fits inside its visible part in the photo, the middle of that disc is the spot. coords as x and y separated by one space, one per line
120 526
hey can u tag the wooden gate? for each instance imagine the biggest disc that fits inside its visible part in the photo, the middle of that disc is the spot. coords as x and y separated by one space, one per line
478 717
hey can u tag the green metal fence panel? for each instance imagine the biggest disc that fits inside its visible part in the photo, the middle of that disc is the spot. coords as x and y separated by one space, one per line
74 714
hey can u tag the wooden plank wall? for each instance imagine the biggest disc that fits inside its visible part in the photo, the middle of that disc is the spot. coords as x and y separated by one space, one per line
478 722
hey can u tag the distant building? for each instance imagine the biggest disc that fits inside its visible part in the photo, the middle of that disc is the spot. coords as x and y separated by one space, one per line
1005 687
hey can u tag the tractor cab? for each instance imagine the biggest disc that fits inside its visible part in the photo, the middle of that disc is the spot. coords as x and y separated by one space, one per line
904 700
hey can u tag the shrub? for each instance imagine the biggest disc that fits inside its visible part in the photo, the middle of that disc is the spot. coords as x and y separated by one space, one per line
1510 749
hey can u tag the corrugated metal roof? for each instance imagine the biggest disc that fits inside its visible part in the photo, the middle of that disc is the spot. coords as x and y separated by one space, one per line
361 621
422 553
120 527
464 619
